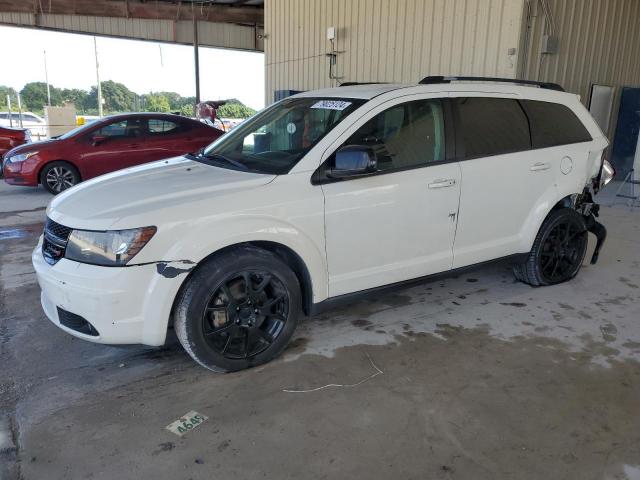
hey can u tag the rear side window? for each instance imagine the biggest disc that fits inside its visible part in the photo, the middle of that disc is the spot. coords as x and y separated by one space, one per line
157 125
554 124
491 126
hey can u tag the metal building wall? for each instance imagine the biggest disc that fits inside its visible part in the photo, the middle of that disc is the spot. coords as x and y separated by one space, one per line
388 40
212 34
599 42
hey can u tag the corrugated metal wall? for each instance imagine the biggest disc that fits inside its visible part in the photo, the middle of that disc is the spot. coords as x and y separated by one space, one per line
223 35
388 40
599 42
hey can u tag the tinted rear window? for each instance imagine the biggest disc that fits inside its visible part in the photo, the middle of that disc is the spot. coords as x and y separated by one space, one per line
553 124
492 126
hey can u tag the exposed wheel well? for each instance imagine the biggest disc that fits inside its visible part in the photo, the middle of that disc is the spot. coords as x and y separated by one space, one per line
566 202
59 160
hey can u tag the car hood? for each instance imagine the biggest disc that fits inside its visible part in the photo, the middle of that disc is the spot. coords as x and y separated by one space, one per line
158 192
33 147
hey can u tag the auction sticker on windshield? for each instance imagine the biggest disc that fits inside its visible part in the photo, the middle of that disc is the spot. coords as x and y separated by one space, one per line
331 104
186 423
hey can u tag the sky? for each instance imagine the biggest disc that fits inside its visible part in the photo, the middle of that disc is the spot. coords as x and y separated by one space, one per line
142 66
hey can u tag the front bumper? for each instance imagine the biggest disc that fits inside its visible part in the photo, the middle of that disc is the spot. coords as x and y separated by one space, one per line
126 305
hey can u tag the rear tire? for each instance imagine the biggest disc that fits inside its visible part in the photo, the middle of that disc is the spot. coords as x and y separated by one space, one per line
557 252
56 177
226 326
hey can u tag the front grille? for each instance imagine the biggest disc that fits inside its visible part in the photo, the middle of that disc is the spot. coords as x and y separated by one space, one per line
55 241
76 322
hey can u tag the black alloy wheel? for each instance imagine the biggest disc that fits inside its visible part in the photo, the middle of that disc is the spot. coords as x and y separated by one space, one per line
558 250
562 251
246 314
238 309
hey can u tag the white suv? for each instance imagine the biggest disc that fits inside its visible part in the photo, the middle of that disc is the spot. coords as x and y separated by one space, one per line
319 197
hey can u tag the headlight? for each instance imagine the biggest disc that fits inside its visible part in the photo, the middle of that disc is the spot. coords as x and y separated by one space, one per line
606 173
111 249
21 157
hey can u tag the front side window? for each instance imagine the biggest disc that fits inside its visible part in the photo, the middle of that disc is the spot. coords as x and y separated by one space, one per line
554 124
274 140
491 126
404 136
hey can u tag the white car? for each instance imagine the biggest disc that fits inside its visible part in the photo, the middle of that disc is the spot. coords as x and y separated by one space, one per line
34 123
322 197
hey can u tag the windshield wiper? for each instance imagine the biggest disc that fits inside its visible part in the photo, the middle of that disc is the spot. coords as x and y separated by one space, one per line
231 161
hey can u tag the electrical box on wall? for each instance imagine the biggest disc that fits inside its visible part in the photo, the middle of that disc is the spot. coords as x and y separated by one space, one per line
331 33
550 44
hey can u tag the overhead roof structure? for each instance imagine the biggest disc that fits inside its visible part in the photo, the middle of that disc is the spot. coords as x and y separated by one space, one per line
236 24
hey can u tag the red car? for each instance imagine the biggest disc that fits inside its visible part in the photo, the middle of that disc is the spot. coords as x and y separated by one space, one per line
12 137
109 144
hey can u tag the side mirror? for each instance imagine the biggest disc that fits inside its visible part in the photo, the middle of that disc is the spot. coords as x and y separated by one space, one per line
98 139
353 161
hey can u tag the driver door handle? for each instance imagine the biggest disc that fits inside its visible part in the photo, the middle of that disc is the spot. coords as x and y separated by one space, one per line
536 167
442 183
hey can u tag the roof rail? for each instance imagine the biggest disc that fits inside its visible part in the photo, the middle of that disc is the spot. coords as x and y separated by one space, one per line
442 79
349 84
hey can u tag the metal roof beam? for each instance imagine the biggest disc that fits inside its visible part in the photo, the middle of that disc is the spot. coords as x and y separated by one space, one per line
242 14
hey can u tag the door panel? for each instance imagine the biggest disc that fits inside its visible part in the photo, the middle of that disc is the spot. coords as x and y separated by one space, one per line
500 195
389 228
506 186
399 223
123 146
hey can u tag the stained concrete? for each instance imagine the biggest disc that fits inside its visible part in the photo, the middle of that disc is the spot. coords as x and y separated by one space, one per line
481 378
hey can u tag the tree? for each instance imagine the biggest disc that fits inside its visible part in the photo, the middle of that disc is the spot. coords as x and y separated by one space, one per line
4 91
117 97
34 96
79 98
234 108
157 102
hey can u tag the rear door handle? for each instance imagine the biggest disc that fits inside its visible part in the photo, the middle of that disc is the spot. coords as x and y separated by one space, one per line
442 183
536 167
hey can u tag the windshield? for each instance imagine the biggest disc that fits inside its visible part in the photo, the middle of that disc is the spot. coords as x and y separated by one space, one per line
77 130
274 140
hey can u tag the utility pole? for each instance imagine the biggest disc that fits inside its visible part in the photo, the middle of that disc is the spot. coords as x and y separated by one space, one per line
95 49
46 77
9 108
19 110
196 57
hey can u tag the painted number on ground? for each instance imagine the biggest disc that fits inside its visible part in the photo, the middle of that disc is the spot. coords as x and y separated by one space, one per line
187 422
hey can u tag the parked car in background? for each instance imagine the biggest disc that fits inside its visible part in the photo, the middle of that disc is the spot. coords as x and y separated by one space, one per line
34 123
109 144
11 138
319 198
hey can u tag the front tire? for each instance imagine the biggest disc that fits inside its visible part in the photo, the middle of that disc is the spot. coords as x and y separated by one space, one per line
558 250
238 310
58 176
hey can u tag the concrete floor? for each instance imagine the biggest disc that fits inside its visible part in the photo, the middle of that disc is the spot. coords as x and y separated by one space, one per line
481 378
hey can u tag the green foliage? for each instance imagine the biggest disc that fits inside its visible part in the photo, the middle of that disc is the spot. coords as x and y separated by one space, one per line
235 109
156 102
34 96
4 91
79 98
186 110
117 99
